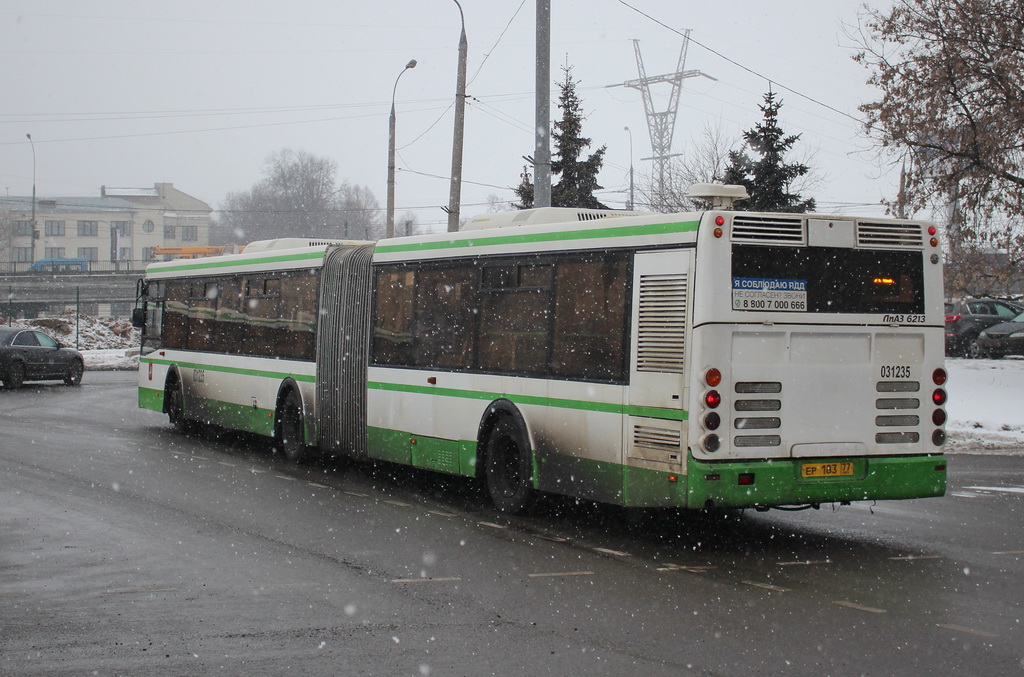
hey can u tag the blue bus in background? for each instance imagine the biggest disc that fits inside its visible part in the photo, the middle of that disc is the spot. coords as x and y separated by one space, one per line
76 265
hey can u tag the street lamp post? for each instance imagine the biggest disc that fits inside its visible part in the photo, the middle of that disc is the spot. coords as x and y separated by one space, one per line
630 205
390 232
455 195
35 233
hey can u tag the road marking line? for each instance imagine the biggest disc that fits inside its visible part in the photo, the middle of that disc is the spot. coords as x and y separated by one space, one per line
442 514
911 558
139 591
231 465
492 525
398 503
860 607
318 486
969 631
698 569
201 458
766 586
606 551
258 472
806 562
1008 490
553 539
561 573
1010 552
356 493
285 477
425 580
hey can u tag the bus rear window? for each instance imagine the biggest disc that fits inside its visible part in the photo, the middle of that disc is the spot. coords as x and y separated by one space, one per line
827 279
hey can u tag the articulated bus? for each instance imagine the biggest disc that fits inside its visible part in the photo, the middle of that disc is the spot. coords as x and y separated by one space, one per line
700 360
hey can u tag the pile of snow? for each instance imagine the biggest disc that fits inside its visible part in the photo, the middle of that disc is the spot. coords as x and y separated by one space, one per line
105 342
985 412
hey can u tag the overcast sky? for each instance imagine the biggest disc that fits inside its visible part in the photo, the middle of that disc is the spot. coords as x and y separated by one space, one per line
198 93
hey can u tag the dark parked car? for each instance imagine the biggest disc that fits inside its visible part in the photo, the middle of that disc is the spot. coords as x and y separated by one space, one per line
32 355
966 319
1003 339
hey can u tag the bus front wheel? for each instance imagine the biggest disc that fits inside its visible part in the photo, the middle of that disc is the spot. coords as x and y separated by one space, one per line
290 438
508 467
176 407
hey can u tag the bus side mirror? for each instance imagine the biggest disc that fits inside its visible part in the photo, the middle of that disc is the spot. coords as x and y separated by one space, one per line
138 318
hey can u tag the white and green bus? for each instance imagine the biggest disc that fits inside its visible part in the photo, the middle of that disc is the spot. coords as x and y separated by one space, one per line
697 360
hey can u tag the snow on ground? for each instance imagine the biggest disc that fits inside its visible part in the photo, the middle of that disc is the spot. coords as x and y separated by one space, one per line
986 397
986 405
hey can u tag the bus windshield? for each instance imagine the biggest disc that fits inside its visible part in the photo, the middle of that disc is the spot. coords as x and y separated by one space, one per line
832 279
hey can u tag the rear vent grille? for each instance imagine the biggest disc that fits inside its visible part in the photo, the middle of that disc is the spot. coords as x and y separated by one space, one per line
748 408
894 416
889 235
661 337
660 439
769 230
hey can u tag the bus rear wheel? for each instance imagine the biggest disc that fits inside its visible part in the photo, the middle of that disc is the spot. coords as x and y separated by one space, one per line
508 467
176 407
290 437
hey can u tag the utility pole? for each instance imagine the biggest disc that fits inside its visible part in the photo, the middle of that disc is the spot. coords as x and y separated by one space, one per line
661 124
455 195
542 148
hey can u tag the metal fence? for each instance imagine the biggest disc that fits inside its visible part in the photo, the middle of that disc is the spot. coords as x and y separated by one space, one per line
106 267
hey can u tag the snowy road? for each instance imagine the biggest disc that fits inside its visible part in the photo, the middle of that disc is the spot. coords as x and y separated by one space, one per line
126 549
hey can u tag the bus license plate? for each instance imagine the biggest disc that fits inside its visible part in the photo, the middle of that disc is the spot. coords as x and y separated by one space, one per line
838 469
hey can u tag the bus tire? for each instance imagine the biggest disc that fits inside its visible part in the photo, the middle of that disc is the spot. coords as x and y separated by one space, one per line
508 467
289 429
175 407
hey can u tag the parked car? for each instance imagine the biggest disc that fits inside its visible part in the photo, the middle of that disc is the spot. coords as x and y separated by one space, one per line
1002 339
33 355
966 319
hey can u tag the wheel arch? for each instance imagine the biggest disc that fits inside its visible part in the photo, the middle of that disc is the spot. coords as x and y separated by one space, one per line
173 377
494 411
288 386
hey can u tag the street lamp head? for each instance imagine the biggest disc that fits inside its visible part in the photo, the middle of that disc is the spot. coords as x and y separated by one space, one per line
411 64
28 136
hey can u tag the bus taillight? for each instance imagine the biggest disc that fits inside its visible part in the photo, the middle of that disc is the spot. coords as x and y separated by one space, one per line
712 398
939 397
939 375
712 420
713 377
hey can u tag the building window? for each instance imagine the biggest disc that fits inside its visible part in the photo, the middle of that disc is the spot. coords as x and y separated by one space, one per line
89 253
148 226
169 232
124 254
189 233
22 254
54 253
23 228
54 228
122 228
147 253
88 228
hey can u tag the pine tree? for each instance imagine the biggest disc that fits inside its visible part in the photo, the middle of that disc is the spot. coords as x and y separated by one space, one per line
578 177
768 178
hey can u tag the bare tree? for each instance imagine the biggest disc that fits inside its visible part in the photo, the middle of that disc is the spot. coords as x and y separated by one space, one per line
298 197
704 161
951 75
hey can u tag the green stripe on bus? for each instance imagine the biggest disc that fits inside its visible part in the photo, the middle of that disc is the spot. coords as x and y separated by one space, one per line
584 405
561 236
208 263
305 378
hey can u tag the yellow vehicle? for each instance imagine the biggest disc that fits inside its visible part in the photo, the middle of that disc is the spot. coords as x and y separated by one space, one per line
170 253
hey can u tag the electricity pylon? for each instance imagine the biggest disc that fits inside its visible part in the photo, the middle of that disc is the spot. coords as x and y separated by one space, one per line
661 124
